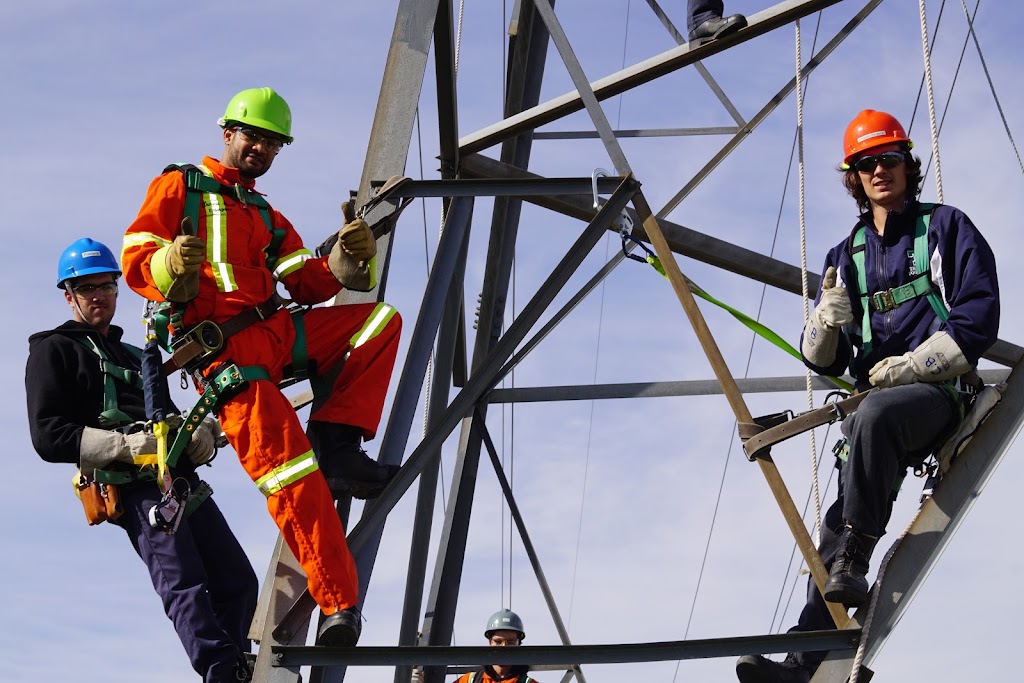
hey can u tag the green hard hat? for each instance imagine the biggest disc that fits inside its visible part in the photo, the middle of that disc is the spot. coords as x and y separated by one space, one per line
505 620
262 108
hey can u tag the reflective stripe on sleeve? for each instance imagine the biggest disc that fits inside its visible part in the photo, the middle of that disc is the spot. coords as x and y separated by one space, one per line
292 262
290 472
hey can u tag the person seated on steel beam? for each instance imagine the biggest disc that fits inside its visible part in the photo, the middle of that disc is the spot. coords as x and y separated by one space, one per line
705 21
909 301
504 629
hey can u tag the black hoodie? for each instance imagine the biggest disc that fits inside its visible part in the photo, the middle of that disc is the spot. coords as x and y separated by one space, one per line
64 387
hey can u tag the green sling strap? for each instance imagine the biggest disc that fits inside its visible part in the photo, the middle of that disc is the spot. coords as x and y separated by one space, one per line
891 298
758 328
112 416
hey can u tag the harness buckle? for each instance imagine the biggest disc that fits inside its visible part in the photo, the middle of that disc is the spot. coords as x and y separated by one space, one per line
883 301
241 193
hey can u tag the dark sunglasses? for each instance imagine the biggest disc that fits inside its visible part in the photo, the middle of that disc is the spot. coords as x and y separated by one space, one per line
886 159
271 144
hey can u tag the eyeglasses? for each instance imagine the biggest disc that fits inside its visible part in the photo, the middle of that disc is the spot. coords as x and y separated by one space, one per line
271 144
498 641
104 289
886 159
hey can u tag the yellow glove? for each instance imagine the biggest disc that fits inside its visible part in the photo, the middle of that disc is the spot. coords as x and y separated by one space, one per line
357 240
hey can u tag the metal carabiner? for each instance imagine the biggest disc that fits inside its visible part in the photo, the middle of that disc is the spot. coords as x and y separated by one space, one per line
598 173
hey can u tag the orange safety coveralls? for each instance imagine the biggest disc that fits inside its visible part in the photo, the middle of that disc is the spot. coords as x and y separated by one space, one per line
260 422
484 676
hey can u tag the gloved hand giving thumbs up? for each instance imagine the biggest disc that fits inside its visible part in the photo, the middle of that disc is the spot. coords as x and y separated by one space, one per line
821 333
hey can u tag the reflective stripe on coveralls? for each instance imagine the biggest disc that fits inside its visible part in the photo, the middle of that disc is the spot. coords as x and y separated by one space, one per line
293 470
374 324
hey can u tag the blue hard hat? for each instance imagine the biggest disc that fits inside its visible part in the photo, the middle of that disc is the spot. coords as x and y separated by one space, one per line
85 257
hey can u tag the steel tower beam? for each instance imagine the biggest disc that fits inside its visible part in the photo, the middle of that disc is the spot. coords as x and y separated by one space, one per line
939 518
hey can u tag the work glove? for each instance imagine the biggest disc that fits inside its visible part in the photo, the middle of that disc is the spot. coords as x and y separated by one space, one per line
202 446
821 333
99 448
357 240
351 271
937 359
182 259
185 255
834 308
417 675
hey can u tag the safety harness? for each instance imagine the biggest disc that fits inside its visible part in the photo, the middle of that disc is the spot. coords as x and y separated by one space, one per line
196 348
113 417
889 299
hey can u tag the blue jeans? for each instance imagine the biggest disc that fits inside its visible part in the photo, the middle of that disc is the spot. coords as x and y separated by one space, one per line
202 575
893 429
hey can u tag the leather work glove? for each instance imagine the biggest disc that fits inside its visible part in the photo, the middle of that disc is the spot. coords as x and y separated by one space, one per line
182 259
821 333
417 675
834 308
202 446
357 240
99 448
185 255
937 359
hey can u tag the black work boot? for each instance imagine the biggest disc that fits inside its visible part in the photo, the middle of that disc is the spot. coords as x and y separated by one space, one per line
847 582
716 27
758 669
341 629
349 471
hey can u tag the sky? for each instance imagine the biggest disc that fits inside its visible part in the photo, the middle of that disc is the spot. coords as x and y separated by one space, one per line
619 496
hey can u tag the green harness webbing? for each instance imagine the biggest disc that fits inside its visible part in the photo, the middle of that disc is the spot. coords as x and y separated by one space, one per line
112 416
891 298
197 182
227 382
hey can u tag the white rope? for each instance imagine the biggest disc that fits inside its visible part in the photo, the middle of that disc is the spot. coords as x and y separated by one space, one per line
458 35
803 278
876 590
931 100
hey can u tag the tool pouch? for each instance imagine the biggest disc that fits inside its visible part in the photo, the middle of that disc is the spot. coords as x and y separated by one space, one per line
101 502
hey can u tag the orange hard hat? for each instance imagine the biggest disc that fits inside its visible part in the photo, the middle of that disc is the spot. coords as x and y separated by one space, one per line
869 129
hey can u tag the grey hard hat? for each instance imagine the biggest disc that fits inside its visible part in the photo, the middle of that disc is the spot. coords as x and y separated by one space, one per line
505 620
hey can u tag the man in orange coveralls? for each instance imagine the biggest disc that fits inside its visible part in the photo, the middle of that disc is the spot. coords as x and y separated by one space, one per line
223 266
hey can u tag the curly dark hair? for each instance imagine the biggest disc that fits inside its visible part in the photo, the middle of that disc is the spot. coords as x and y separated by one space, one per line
851 181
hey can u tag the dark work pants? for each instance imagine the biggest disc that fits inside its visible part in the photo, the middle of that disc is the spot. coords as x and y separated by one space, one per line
202 575
699 11
892 430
